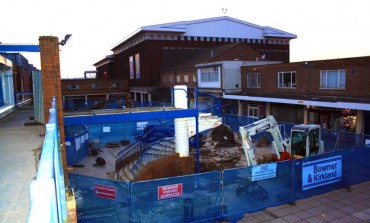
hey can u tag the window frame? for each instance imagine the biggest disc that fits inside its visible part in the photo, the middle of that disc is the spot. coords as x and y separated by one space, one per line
116 85
249 80
291 83
210 74
96 85
254 109
73 86
341 80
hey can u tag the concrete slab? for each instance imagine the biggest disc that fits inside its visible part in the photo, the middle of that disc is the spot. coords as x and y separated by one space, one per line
18 146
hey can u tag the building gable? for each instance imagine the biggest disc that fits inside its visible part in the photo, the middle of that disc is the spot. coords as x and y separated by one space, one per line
224 27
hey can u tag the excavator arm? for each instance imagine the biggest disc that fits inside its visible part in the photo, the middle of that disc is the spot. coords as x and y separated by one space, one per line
267 124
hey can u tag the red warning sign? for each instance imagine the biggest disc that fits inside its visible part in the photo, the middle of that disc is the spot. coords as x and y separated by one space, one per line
104 191
169 191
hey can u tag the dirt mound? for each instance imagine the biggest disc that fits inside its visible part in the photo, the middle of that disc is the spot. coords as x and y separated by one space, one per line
223 136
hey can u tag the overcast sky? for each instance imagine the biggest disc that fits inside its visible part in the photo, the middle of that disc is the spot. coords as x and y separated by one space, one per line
326 29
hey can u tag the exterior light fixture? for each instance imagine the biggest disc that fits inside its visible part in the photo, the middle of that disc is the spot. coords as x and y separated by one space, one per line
66 38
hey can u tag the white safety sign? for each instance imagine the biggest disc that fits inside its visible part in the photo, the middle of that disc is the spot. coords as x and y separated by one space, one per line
265 171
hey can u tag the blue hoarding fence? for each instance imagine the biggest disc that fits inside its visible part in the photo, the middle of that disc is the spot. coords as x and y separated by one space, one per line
100 200
77 143
47 191
226 195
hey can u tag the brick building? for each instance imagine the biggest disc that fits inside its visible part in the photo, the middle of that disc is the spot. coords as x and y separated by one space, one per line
22 77
141 56
82 94
184 71
333 93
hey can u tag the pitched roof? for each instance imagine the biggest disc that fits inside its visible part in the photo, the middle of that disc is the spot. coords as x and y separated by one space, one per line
185 26
224 26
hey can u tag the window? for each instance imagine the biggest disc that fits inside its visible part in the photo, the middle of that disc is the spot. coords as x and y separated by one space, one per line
253 80
96 85
287 79
178 78
73 86
137 66
253 111
134 66
210 74
186 78
117 85
194 78
131 64
333 79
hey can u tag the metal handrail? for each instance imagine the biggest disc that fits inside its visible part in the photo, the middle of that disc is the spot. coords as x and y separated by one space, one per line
145 154
48 198
138 146
135 170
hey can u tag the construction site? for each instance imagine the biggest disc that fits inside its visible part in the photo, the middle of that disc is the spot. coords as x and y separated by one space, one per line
222 148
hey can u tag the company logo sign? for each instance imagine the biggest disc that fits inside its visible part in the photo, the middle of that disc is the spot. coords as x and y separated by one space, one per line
321 172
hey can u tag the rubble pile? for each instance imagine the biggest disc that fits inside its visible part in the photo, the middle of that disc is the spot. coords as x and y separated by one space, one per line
223 136
221 150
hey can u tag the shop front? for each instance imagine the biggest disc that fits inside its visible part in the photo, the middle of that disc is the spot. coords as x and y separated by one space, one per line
333 119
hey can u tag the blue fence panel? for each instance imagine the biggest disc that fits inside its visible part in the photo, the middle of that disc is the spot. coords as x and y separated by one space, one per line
357 164
77 143
116 132
321 174
236 121
244 194
330 139
100 200
161 200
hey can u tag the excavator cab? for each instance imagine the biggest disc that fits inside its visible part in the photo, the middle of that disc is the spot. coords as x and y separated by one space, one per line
305 140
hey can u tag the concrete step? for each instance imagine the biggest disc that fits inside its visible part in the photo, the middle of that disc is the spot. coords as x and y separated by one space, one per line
127 173
122 175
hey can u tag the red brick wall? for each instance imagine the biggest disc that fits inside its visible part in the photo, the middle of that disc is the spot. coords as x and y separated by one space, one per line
85 86
181 74
152 59
52 86
308 78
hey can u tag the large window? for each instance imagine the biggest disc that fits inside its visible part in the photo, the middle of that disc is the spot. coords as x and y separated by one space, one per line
287 79
210 74
253 80
137 66
333 79
131 65
134 64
